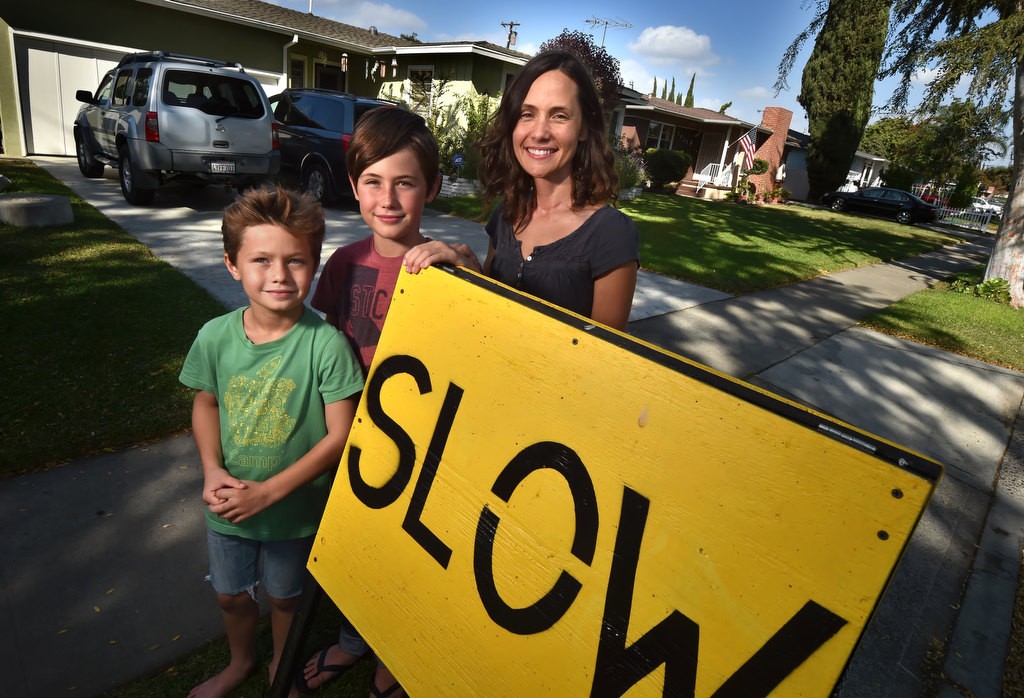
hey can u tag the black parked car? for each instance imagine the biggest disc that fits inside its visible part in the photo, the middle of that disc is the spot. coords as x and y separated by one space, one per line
882 201
314 127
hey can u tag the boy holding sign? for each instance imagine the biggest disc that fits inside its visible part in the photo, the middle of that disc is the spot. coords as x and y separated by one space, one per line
393 164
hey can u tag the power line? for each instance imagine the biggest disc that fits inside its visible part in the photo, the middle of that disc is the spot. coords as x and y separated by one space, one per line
594 21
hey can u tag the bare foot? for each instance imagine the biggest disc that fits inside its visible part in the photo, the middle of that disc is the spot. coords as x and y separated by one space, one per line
327 665
223 683
385 685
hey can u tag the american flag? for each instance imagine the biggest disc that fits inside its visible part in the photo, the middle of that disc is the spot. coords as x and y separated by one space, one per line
747 143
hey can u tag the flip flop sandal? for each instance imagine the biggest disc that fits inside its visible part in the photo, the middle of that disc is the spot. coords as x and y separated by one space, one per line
302 684
385 692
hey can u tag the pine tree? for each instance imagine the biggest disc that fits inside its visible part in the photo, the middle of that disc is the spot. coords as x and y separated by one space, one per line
689 92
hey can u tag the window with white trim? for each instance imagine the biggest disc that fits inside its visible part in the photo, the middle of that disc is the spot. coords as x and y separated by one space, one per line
659 135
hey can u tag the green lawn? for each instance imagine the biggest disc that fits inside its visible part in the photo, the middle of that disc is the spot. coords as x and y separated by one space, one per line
97 329
957 322
739 249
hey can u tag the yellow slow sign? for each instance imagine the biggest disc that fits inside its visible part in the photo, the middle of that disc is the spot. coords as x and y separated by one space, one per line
530 505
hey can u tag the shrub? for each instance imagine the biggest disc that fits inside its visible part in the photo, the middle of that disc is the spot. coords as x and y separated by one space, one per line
997 289
452 137
898 177
631 169
759 166
666 166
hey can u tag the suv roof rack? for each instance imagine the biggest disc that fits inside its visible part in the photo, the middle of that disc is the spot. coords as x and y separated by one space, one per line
157 56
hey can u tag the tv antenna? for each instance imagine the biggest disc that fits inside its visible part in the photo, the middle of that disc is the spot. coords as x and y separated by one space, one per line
594 21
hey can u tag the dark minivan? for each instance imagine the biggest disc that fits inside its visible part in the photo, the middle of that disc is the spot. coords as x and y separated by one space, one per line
314 128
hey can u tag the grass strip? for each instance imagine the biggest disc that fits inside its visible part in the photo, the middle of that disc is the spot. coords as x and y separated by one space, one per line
97 331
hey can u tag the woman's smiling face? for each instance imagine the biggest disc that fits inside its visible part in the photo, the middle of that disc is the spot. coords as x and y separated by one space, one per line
549 128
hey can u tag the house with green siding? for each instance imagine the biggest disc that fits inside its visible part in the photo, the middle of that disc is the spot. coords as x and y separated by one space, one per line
55 48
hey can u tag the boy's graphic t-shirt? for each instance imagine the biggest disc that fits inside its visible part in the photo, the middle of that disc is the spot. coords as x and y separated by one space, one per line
356 286
271 401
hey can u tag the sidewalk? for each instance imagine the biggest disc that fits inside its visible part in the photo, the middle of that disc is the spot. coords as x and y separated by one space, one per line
105 557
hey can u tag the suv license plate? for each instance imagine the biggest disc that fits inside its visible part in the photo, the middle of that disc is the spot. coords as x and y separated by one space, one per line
222 167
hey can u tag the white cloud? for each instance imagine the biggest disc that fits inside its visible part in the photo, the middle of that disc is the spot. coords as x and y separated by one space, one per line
386 18
924 76
634 72
669 44
762 93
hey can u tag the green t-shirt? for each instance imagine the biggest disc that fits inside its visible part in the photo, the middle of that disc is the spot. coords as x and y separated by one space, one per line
271 401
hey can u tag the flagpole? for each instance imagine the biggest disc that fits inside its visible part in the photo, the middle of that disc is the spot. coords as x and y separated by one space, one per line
747 133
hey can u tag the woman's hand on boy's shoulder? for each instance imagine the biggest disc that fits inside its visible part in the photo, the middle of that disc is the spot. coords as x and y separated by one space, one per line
434 252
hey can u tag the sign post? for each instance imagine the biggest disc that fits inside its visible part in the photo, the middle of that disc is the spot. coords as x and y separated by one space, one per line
533 505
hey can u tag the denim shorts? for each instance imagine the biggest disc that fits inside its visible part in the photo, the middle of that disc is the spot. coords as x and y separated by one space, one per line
240 564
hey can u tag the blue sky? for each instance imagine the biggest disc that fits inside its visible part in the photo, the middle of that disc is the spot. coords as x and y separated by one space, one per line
734 48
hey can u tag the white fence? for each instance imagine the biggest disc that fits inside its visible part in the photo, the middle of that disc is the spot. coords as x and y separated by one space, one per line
966 218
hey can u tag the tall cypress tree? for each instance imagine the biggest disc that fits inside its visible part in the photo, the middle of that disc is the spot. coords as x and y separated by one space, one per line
672 92
983 39
689 92
838 86
654 89
664 90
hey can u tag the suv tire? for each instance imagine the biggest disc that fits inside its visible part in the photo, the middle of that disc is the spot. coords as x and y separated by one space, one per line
86 162
127 176
317 183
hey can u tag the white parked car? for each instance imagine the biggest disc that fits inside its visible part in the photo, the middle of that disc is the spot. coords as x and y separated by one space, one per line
981 205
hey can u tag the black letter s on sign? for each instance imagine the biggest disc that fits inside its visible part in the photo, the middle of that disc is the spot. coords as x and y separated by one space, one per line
386 494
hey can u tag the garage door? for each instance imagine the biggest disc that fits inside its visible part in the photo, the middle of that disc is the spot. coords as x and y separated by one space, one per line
49 73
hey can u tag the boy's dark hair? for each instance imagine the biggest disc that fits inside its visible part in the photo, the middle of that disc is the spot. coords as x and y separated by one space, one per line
299 214
384 131
593 166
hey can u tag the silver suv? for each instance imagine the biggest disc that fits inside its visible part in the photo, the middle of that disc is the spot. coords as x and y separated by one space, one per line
160 115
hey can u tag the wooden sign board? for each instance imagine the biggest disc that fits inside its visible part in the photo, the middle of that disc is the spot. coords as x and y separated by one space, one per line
530 505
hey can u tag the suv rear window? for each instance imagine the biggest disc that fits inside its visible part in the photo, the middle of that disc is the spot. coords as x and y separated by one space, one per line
218 95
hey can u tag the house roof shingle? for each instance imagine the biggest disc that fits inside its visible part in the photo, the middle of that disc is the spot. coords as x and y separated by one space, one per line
289 21
705 116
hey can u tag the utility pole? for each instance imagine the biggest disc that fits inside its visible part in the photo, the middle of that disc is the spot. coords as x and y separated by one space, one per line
511 33
594 21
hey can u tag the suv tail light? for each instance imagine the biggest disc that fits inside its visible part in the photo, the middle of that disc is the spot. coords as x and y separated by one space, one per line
275 141
346 138
152 127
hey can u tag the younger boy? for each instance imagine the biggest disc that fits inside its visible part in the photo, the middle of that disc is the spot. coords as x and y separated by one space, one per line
393 165
276 395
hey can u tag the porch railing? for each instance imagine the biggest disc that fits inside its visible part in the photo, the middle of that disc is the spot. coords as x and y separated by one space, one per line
713 173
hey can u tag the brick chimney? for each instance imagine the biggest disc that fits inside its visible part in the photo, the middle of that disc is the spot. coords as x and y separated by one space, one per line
777 120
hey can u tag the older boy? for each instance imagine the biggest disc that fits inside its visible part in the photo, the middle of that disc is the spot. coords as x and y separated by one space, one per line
393 164
276 395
